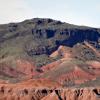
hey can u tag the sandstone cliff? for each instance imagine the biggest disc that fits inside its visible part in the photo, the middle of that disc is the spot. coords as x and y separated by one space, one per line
51 91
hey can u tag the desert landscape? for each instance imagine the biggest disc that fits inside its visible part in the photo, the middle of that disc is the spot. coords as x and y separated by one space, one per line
46 59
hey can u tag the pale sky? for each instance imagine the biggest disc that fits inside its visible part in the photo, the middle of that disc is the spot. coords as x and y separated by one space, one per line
79 12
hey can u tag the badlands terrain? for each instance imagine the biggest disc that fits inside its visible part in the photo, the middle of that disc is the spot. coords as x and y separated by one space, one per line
45 59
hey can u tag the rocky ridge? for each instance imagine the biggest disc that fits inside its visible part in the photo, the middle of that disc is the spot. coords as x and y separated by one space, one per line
35 52
21 92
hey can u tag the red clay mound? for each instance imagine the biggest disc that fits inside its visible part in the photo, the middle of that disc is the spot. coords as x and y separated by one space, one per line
64 52
22 69
26 67
7 71
94 64
52 65
77 75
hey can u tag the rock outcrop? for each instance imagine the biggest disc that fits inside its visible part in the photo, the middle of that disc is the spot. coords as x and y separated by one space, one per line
43 36
20 91
48 59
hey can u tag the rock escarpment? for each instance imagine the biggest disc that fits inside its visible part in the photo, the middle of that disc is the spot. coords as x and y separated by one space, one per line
37 38
39 51
31 93
43 36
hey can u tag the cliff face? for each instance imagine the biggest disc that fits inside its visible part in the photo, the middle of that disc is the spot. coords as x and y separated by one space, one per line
30 93
43 36
73 94
54 37
37 38
45 90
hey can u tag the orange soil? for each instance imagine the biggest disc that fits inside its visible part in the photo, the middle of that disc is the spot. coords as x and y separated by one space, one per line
34 83
26 67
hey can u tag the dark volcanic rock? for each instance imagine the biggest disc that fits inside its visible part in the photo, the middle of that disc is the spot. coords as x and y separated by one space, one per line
45 35
37 37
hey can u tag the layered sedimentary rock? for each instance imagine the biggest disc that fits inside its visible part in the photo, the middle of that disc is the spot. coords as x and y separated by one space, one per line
34 91
36 52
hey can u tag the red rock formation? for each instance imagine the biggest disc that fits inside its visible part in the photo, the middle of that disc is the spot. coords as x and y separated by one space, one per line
34 91
77 75
52 65
27 90
22 69
25 66
95 66
62 51
51 96
6 70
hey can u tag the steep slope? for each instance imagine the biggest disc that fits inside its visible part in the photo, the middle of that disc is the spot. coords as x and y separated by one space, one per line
46 48
37 38
22 92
